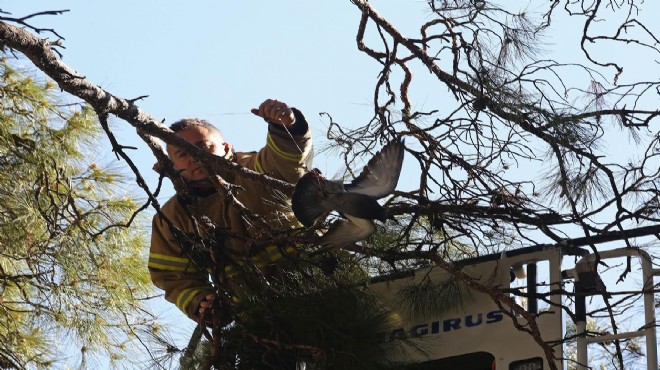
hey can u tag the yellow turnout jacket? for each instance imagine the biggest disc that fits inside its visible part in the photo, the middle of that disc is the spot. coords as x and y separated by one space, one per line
286 156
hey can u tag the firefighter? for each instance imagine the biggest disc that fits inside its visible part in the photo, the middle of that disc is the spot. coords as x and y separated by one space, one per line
286 156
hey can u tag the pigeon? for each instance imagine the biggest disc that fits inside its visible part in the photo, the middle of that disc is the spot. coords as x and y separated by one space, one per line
314 197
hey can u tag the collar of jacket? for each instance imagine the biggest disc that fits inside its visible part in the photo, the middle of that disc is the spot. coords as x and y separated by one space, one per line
204 188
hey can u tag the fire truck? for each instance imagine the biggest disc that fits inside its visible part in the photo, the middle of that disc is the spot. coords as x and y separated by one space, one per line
478 334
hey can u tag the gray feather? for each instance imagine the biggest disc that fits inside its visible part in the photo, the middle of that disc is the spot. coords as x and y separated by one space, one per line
314 197
381 174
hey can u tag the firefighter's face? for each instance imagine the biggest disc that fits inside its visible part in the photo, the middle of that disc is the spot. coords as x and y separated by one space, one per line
205 139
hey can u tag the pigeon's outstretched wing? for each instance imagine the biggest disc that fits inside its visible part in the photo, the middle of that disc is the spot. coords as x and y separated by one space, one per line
314 197
346 232
355 204
380 176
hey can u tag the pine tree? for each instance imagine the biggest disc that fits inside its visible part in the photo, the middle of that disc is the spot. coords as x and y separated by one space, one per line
70 272
521 152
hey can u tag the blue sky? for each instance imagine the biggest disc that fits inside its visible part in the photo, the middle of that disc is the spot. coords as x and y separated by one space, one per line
218 59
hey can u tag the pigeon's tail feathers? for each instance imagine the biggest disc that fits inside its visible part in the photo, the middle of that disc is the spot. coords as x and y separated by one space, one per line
347 232
381 174
305 198
356 205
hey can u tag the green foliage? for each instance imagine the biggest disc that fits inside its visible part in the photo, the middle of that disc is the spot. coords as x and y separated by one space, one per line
330 329
329 320
433 297
410 234
326 317
67 269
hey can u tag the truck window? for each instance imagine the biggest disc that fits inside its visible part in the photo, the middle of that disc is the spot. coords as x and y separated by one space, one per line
469 361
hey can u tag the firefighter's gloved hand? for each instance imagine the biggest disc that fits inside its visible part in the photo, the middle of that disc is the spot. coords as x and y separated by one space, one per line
206 304
276 112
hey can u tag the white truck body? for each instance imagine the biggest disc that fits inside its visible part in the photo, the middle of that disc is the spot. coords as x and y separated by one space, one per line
478 335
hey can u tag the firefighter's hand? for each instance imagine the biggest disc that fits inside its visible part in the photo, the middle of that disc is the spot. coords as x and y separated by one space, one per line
206 304
275 111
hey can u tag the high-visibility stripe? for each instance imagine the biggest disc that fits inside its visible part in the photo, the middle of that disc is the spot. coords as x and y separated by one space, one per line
168 258
184 298
170 263
231 271
294 157
257 165
159 266
270 254
267 257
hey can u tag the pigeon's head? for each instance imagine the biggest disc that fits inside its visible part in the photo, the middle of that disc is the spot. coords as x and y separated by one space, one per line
316 173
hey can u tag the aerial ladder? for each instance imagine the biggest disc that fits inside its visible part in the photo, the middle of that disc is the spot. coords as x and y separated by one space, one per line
478 335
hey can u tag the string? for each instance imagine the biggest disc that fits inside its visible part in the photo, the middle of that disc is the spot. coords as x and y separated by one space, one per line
304 165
